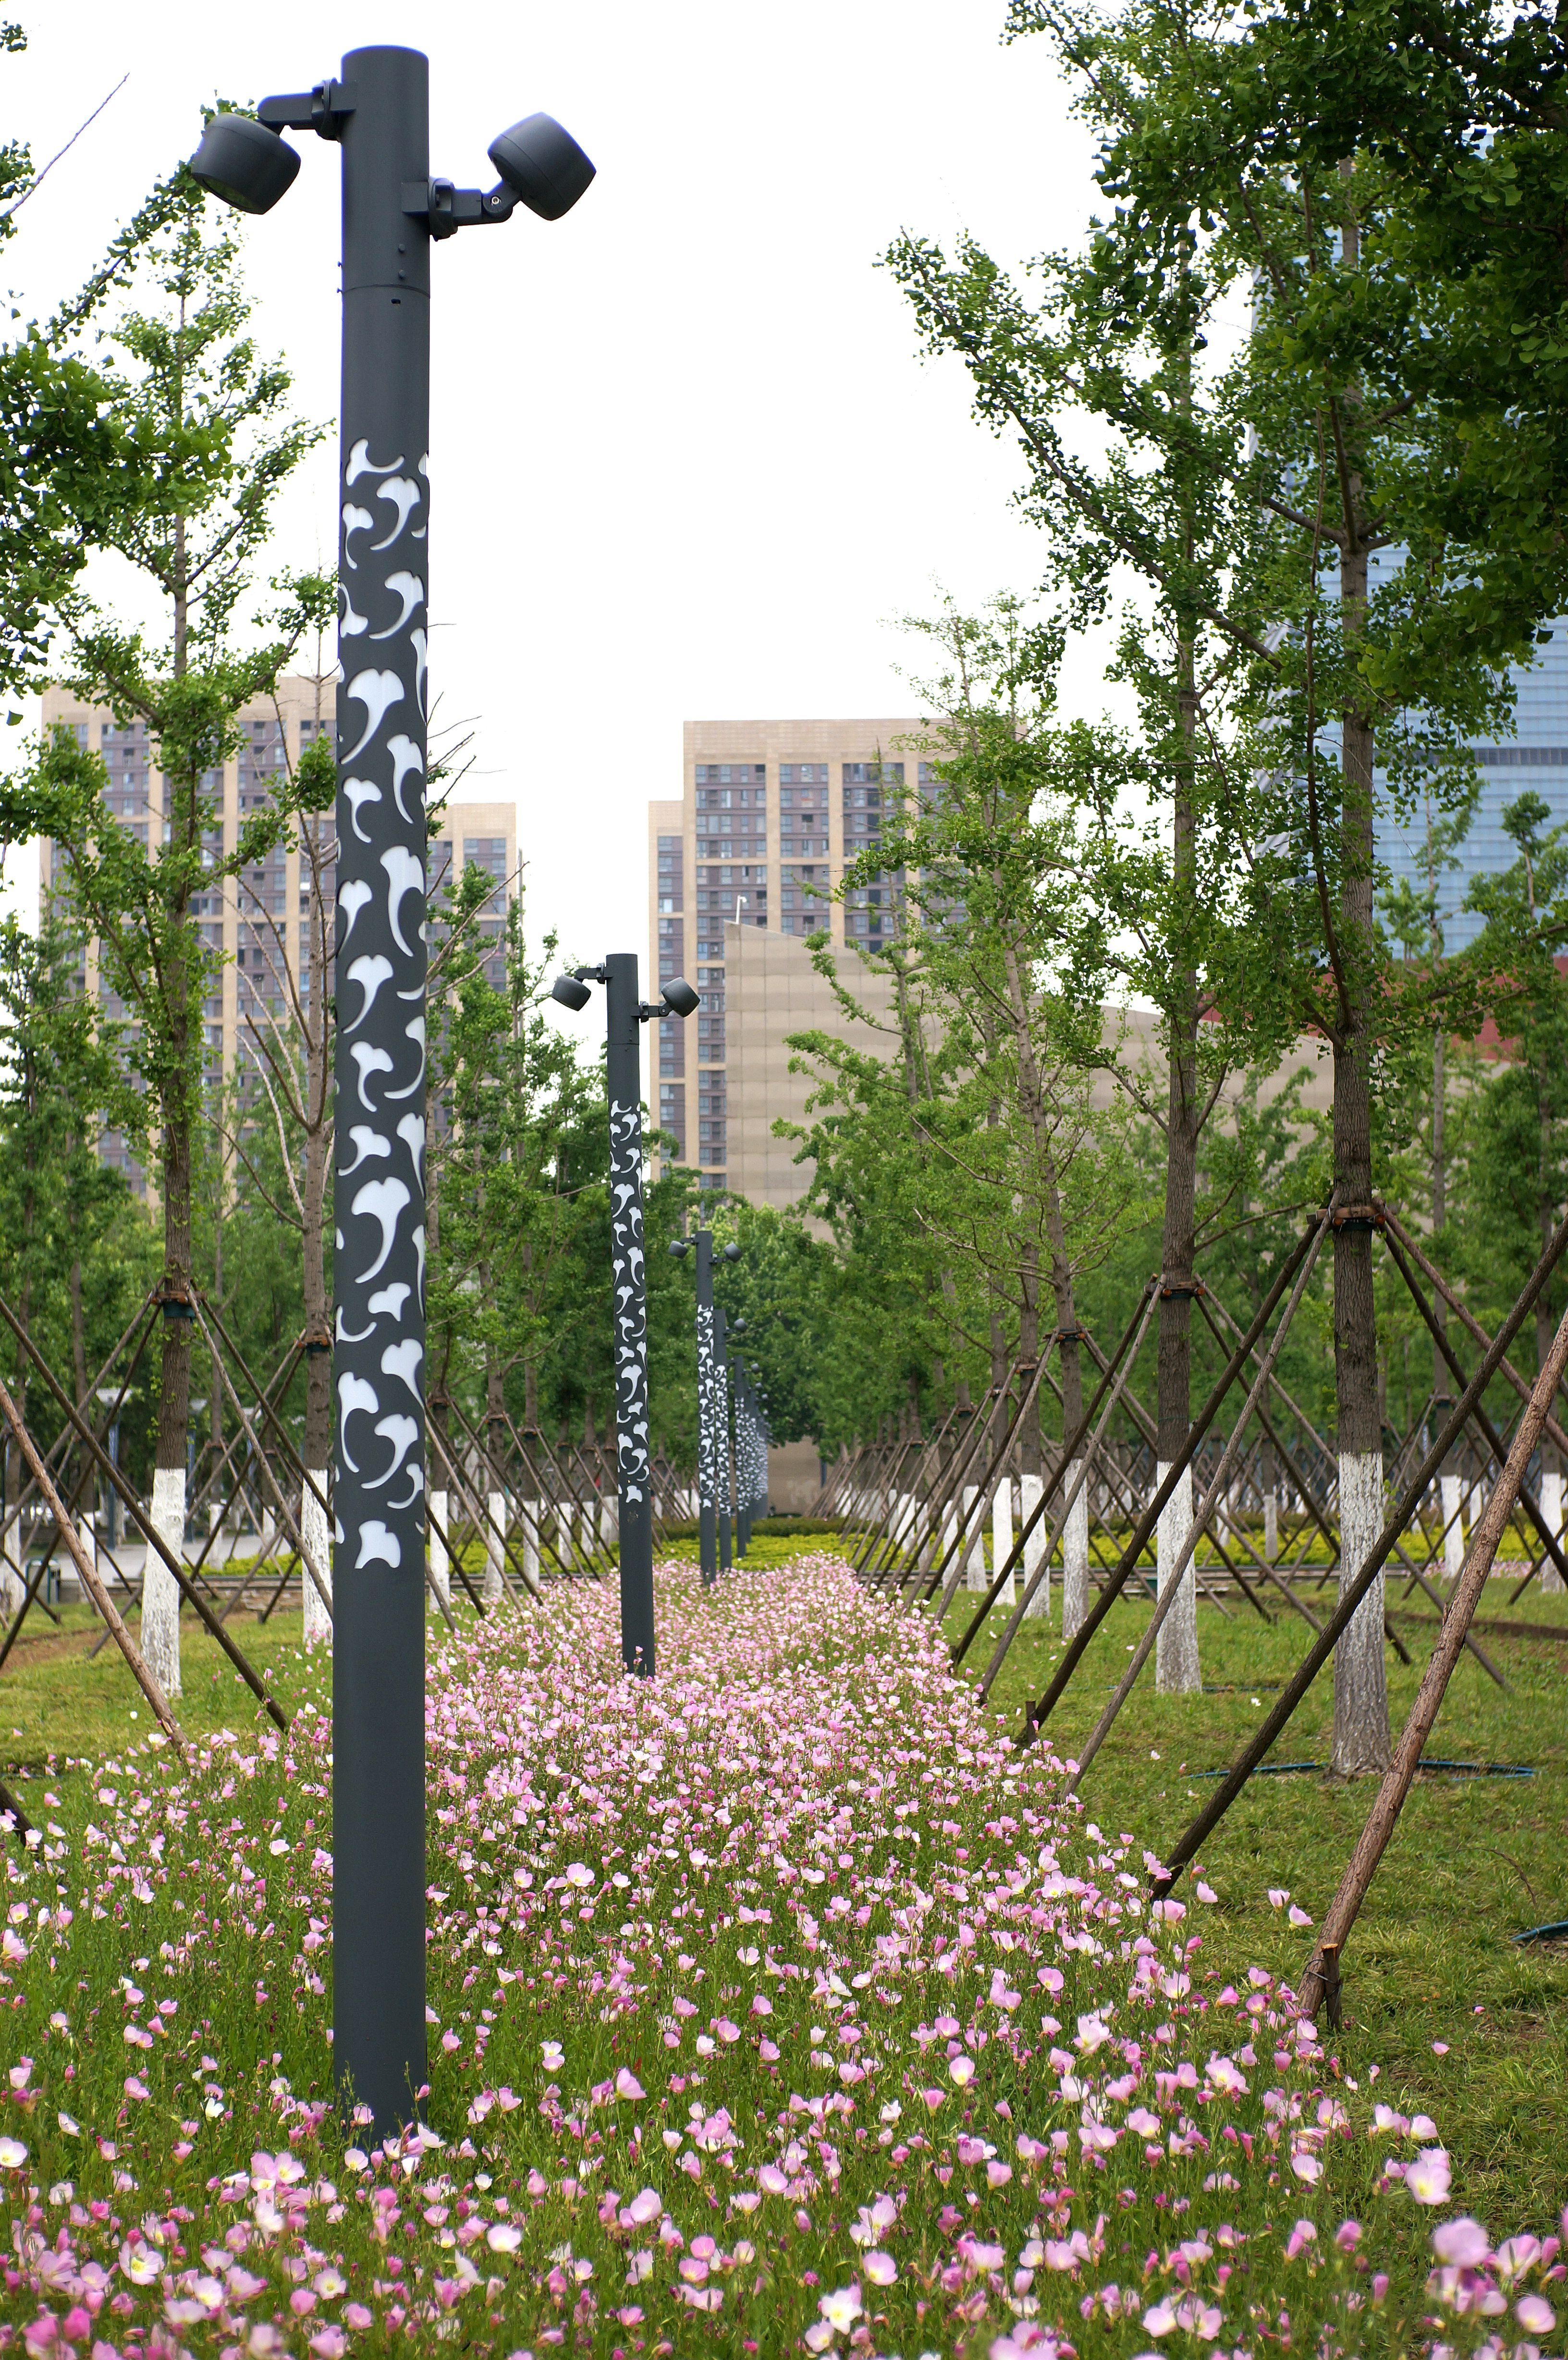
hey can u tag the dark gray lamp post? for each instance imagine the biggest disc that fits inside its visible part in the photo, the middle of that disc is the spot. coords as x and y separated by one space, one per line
707 1424
378 114
742 1461
624 1012
722 1433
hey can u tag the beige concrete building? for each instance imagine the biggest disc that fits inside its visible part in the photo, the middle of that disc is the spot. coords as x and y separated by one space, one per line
238 920
768 815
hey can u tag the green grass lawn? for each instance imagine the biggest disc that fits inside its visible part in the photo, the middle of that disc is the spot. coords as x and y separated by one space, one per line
1432 1960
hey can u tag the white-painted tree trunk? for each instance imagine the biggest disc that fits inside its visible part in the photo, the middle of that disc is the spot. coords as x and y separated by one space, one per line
1551 1509
1076 1546
1031 1489
11 1584
1360 1685
1454 1522
588 1528
318 1548
268 1523
1002 1539
1075 1567
533 1509
160 1591
563 1534
494 1584
440 1567
975 1575
609 1521
1271 1526
1177 1671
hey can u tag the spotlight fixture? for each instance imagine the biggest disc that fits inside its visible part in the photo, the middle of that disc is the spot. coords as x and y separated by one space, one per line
245 163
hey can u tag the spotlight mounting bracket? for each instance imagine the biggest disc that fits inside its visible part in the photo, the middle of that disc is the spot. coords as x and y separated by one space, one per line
322 110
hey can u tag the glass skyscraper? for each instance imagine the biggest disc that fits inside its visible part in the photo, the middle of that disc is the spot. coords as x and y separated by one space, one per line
1535 757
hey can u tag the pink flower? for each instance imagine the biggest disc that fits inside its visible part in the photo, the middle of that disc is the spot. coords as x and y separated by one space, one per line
1463 2242
356 2316
1428 2177
1535 2314
628 2085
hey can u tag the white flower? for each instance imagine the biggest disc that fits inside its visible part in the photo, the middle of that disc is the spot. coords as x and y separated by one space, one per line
503 2238
12 2155
842 2308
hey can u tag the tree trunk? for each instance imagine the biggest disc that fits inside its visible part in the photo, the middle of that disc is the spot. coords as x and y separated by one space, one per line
1361 1739
1176 1664
495 1460
160 1592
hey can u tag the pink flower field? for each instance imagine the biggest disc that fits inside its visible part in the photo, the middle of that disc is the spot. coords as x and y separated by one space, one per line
776 2005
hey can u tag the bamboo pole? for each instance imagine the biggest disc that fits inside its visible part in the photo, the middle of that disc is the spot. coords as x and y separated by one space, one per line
1322 1977
140 1671
1036 1715
1166 1598
1278 1718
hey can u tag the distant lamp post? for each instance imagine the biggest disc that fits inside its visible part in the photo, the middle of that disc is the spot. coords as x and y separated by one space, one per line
377 114
624 1012
742 1486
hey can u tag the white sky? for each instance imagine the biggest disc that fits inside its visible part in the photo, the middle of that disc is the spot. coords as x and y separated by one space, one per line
687 461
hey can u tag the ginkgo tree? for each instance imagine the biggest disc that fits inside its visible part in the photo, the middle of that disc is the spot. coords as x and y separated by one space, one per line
209 420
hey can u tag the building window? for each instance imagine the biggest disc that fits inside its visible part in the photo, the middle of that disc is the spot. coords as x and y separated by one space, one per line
730 773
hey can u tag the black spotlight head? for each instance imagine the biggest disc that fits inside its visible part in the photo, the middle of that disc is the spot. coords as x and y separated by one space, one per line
678 1248
245 163
680 998
570 992
738 1326
732 1251
541 164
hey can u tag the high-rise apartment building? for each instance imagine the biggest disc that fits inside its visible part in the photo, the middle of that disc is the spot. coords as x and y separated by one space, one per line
1535 757
769 814
237 921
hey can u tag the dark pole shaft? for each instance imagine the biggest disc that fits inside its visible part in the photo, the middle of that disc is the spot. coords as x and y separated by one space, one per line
378 1558
624 1075
745 1456
707 1423
721 1434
